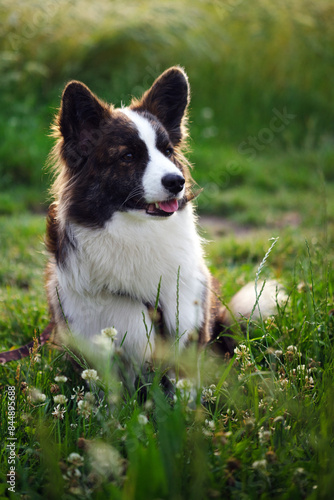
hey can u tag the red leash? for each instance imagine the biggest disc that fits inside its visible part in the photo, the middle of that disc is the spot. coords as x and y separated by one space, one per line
25 350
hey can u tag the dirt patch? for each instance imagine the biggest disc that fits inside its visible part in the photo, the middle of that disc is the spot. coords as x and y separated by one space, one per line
216 226
219 226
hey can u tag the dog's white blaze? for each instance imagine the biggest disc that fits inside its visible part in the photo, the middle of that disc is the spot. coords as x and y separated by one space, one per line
158 164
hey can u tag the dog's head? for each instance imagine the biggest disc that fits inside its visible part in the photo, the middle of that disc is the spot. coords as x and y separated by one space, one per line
126 159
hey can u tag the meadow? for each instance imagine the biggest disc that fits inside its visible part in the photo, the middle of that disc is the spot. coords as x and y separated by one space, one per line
258 425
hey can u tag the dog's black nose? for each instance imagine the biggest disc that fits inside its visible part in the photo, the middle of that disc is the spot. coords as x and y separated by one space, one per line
173 183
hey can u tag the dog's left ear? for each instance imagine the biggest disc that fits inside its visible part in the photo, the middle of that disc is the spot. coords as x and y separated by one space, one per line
168 99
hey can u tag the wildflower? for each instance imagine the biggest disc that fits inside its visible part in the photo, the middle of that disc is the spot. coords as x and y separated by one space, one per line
283 381
142 419
24 386
61 378
36 396
149 405
59 412
26 418
278 353
77 491
54 388
242 353
90 375
291 352
187 390
73 426
299 470
266 404
210 424
75 459
79 393
60 398
309 382
244 357
105 460
264 436
184 384
229 416
104 343
73 472
110 333
260 464
208 394
85 408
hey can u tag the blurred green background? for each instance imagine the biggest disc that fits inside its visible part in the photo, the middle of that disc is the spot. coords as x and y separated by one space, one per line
262 79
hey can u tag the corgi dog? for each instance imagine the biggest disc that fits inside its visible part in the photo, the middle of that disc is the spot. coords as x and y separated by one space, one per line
121 233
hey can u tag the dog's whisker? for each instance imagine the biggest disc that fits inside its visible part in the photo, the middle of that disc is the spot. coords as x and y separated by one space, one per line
135 192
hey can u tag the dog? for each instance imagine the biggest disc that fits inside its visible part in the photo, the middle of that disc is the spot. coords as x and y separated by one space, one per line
122 233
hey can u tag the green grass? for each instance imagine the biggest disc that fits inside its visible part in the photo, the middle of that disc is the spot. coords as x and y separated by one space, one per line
21 279
257 426
245 62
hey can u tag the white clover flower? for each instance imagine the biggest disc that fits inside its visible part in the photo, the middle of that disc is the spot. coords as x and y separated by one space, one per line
59 412
85 408
260 464
75 459
79 393
90 375
243 356
105 344
60 398
148 405
241 350
264 436
210 424
229 416
105 460
208 394
110 333
184 384
61 378
187 390
142 419
36 396
284 382
74 473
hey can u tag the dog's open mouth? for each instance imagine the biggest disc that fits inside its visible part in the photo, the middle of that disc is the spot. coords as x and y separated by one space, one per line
163 208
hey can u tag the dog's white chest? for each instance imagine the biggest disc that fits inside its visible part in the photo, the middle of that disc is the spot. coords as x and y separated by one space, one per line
130 263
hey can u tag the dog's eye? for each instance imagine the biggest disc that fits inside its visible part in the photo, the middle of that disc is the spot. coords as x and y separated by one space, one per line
128 157
169 152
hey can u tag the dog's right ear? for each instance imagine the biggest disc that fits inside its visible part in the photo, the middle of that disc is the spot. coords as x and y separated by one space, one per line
81 118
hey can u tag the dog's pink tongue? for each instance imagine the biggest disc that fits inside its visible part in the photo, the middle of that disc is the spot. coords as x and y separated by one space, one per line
169 206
